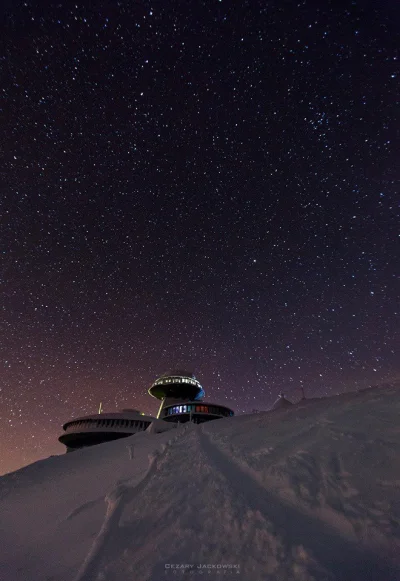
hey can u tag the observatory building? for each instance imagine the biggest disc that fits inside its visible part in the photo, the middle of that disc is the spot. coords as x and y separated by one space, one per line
181 398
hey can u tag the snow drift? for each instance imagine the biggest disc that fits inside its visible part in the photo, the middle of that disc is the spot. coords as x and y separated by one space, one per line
310 492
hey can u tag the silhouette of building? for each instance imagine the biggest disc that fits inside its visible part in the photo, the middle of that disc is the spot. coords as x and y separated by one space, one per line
281 403
105 427
181 397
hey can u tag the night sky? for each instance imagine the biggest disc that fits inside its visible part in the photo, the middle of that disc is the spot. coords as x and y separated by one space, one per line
202 184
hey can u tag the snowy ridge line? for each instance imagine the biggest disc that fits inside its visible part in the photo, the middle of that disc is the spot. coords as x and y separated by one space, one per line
116 500
298 527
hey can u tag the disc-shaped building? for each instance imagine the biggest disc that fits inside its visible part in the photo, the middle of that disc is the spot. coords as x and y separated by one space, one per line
181 397
104 427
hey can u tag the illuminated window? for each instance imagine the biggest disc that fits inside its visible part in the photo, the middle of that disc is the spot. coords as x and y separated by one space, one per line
184 409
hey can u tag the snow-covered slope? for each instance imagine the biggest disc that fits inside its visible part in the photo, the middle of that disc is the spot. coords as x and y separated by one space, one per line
311 492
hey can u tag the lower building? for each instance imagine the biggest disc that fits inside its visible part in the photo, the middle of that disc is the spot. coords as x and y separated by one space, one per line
106 427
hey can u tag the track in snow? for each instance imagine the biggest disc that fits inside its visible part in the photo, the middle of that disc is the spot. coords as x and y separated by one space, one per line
346 560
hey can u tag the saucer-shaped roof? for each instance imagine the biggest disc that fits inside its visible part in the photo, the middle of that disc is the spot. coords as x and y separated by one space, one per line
179 386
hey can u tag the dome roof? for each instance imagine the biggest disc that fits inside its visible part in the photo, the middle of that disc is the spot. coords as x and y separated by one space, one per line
281 403
179 373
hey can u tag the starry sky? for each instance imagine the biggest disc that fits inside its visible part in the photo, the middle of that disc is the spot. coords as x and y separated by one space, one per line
203 184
